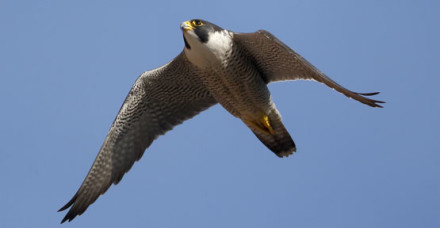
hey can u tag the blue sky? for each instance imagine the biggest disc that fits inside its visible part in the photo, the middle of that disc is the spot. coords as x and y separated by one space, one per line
66 68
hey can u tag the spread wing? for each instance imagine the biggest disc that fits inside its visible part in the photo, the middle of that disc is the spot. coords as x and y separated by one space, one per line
159 100
278 62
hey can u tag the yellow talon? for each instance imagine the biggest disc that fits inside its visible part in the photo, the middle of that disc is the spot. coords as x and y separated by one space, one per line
263 124
266 124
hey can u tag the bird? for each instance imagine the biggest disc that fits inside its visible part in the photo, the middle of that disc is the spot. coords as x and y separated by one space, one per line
215 66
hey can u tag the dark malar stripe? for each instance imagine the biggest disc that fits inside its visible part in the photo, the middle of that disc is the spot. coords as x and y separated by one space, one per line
186 43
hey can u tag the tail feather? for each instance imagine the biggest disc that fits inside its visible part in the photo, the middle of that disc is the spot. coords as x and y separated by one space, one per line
279 140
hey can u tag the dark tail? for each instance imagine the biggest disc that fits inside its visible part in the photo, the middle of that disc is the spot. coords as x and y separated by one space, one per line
277 140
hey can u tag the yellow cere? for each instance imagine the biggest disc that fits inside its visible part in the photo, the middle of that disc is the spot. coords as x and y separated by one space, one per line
189 26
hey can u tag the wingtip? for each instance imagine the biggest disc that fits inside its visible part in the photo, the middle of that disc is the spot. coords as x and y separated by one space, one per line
373 103
69 216
377 104
68 204
369 94
64 219
64 208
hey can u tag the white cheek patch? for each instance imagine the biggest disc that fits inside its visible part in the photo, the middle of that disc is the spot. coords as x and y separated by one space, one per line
215 51
220 44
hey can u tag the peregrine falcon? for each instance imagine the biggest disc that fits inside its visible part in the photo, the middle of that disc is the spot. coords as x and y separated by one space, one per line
215 66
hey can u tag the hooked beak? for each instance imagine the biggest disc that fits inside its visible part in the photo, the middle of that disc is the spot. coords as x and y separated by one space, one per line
186 26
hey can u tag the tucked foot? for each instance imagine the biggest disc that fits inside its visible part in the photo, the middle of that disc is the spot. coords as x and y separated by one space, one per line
270 130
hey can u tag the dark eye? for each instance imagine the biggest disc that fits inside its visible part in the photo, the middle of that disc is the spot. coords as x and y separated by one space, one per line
197 22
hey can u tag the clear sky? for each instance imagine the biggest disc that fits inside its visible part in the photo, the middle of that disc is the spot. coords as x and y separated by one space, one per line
66 67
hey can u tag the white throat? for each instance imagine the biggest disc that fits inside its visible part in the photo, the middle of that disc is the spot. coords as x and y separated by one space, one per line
215 51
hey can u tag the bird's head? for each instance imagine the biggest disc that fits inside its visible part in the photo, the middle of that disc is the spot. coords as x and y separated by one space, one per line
197 31
205 43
